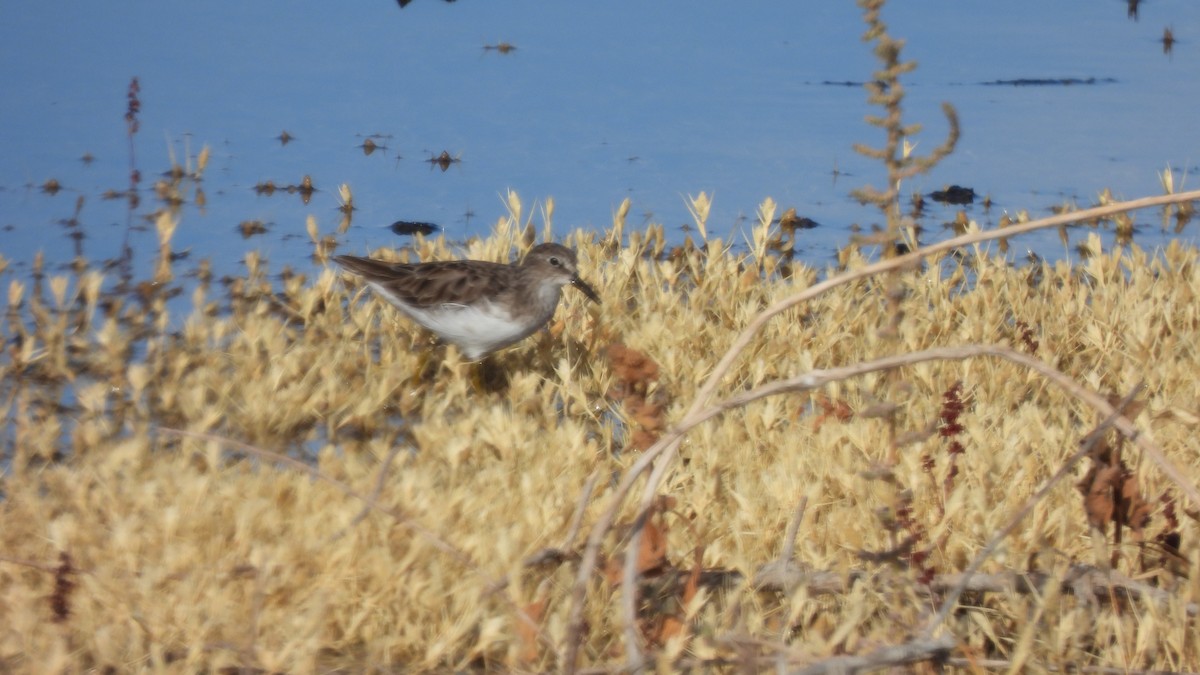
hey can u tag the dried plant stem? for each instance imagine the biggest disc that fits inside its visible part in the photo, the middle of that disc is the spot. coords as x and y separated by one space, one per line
548 555
580 508
563 552
886 657
32 564
1079 579
743 340
1000 664
666 446
819 378
788 551
789 540
370 500
634 659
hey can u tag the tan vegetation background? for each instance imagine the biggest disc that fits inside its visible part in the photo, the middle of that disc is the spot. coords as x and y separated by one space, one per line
304 484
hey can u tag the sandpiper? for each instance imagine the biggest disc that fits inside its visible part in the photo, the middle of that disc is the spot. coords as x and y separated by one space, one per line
479 306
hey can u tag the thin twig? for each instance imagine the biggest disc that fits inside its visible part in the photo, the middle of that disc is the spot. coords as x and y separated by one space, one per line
373 497
819 378
1002 664
789 541
937 649
33 564
1080 580
668 443
635 660
580 507
564 550
789 550
907 260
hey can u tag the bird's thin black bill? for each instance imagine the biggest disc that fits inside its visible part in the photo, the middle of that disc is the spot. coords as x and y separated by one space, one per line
587 290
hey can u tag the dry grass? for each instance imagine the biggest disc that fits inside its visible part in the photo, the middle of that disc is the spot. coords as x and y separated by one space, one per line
288 478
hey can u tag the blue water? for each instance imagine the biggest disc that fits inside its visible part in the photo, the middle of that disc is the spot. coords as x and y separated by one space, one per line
599 102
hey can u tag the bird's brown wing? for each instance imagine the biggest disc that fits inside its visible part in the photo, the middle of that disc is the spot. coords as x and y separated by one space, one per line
434 283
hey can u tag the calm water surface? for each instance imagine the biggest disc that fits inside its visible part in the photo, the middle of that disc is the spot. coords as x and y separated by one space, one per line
599 102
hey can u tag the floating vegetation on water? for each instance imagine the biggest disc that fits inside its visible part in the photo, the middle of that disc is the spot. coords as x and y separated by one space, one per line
500 48
369 146
251 228
444 160
1050 81
305 188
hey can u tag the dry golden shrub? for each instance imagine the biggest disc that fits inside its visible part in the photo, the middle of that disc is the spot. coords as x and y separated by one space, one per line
295 480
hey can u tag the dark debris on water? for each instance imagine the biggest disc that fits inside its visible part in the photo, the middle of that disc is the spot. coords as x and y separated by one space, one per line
410 227
955 194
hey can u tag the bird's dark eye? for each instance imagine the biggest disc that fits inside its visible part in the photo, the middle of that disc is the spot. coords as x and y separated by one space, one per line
555 261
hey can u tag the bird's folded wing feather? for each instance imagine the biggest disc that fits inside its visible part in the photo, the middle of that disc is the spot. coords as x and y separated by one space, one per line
452 282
